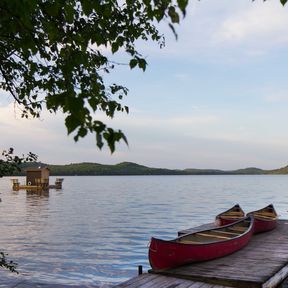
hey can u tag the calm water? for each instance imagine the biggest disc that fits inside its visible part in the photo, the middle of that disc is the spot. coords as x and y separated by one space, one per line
96 230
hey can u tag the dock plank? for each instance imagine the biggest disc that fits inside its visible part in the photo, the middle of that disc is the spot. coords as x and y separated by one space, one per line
140 280
148 280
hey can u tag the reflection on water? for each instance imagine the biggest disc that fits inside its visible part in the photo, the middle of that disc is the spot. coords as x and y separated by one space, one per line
96 230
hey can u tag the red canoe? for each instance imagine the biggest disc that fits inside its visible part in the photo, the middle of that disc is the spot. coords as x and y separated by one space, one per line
230 216
265 219
200 246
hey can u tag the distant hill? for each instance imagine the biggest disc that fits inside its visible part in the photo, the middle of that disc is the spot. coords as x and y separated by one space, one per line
194 171
129 168
86 168
249 171
246 171
283 170
124 168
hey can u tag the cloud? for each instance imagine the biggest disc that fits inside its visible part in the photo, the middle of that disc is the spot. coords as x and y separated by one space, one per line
261 24
225 31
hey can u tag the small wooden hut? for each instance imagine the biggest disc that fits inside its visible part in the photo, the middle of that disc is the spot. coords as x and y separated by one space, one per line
37 177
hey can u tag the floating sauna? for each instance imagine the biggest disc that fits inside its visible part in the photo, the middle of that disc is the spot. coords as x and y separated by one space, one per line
37 179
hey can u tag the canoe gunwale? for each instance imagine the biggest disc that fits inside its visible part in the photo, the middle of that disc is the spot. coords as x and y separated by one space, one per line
265 219
250 227
268 219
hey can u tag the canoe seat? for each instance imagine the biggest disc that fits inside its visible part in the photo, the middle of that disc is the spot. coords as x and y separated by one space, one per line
234 213
264 217
189 242
267 214
225 232
213 236
238 229
230 216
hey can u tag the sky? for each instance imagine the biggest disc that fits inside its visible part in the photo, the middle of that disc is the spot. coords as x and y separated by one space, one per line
215 98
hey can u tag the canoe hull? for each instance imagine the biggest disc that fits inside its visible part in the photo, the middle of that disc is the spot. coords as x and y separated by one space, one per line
169 254
163 255
264 225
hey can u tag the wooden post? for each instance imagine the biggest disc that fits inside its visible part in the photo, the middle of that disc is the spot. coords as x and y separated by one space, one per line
16 184
140 269
58 183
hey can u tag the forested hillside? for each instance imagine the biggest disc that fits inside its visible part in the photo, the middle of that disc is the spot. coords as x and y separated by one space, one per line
129 168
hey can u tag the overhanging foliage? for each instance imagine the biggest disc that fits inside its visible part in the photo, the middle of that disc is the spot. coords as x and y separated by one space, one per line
50 55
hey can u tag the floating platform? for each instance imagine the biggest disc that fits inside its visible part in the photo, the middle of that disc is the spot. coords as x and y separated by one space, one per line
41 184
262 263
27 187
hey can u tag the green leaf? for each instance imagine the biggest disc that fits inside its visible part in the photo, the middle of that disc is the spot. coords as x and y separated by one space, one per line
142 64
82 132
99 141
69 11
283 2
182 5
93 103
114 47
173 15
133 63
123 137
87 6
109 137
52 9
71 123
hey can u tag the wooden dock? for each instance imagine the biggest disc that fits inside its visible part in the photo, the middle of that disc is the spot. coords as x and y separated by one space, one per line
262 263
148 280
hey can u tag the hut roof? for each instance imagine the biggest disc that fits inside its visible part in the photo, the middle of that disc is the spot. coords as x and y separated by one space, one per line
33 169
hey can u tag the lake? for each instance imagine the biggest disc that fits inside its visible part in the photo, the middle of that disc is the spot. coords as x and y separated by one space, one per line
96 230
